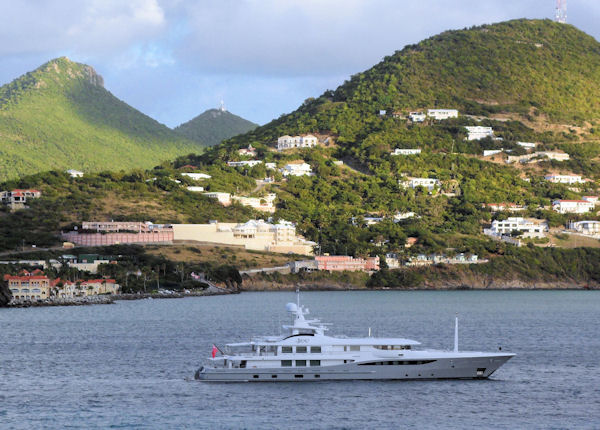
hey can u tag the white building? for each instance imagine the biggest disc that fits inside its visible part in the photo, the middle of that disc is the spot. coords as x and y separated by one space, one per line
223 198
572 206
196 176
410 151
289 142
479 132
441 114
527 145
248 163
591 199
299 168
558 156
249 151
75 173
429 183
263 204
586 227
488 152
271 166
417 116
195 189
564 179
399 216
530 227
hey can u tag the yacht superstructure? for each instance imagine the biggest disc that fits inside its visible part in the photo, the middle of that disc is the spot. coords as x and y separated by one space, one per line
306 353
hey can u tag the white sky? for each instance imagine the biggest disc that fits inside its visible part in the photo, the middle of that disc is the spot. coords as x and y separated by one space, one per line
173 59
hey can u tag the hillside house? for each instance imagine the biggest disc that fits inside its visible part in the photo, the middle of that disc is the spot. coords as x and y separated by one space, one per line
564 179
195 189
197 176
591 228
428 183
75 173
400 216
479 132
17 198
442 114
263 204
530 227
591 199
244 163
572 206
408 151
115 232
296 168
417 116
490 152
248 152
527 145
290 142
499 207
271 166
223 198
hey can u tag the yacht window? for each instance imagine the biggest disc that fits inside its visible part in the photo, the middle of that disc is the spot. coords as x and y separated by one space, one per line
242 364
298 376
286 349
315 349
286 363
255 376
300 363
317 376
355 348
300 349
315 362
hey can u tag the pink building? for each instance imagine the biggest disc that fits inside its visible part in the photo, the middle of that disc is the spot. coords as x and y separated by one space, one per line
340 263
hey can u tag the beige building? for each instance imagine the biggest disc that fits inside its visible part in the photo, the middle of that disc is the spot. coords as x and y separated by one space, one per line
28 287
290 142
256 235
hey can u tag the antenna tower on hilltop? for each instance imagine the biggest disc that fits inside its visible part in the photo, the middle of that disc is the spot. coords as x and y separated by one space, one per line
222 106
561 11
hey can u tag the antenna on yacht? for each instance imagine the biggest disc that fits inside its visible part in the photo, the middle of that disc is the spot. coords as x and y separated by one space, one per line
456 333
369 331
298 296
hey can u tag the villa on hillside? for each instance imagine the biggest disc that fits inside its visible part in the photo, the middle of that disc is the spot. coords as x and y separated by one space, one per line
290 142
402 151
591 228
296 168
196 176
17 198
572 206
564 179
244 163
538 156
530 227
249 151
118 232
429 183
223 198
499 207
527 145
263 204
442 114
417 116
479 132
75 173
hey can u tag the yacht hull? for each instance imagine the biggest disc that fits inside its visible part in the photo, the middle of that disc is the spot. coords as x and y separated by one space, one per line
479 367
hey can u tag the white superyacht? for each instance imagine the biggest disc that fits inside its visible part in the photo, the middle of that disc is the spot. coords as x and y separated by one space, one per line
305 353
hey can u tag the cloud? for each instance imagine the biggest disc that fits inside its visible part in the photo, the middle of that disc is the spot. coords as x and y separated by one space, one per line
84 27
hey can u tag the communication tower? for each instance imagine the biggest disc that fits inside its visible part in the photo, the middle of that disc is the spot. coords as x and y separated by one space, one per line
561 11
222 106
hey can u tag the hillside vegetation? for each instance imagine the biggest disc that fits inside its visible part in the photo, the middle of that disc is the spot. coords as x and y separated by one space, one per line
213 126
61 117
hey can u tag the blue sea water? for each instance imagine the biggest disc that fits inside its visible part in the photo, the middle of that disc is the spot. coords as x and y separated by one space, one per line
131 364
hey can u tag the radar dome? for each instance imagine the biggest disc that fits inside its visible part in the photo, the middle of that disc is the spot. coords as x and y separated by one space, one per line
291 307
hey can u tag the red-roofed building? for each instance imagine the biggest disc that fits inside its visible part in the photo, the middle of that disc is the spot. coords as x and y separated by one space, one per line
17 198
29 287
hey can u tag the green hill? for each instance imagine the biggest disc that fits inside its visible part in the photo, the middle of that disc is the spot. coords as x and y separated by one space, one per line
532 69
60 116
214 126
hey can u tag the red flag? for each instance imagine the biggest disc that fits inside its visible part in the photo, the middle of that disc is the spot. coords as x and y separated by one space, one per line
214 351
